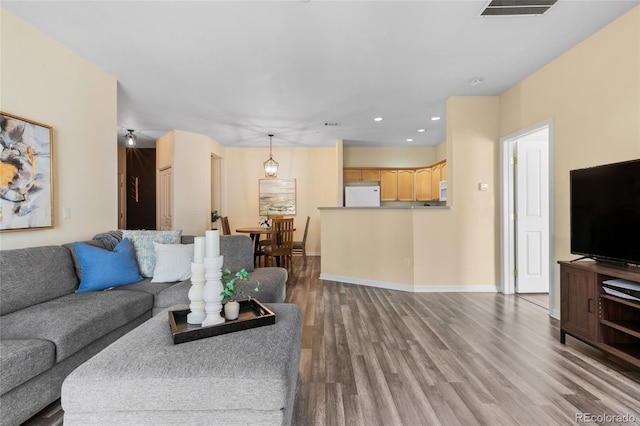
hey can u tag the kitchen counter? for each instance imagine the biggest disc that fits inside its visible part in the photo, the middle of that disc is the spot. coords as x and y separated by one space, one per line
388 208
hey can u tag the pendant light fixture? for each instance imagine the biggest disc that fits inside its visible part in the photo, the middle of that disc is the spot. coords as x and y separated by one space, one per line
271 165
130 138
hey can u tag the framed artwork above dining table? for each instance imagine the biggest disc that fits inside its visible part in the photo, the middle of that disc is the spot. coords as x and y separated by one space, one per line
277 197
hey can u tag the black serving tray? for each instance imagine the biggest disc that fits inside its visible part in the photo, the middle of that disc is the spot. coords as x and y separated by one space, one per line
252 314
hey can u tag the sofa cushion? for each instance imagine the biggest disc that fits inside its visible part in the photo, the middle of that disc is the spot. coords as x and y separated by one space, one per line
22 360
76 262
143 245
102 268
274 292
146 286
76 320
34 275
173 262
237 251
177 294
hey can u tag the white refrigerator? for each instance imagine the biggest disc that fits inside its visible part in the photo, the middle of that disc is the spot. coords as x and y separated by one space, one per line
362 196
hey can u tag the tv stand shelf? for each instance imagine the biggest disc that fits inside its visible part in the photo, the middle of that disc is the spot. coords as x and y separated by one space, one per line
587 313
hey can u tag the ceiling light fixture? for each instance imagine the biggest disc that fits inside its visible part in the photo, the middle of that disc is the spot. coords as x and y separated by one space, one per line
436 118
130 138
409 140
422 130
271 165
377 119
475 82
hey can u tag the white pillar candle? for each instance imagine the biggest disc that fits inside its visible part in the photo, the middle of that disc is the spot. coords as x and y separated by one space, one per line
212 246
198 250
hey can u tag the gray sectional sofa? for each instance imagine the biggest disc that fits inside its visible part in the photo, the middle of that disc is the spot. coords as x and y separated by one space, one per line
47 329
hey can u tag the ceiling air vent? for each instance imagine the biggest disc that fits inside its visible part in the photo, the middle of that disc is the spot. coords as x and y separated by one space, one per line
517 7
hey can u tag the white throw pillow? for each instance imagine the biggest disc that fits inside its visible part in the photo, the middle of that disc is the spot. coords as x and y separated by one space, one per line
173 262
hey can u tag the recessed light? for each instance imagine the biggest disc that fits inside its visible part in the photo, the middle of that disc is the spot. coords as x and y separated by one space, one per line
436 118
409 140
422 130
377 119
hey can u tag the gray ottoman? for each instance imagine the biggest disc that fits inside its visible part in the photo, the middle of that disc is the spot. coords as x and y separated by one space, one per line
247 377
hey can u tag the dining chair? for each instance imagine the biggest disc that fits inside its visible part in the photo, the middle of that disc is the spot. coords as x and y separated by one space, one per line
281 246
226 229
267 240
300 246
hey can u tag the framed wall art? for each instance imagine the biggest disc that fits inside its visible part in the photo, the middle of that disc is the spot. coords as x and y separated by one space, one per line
277 197
26 174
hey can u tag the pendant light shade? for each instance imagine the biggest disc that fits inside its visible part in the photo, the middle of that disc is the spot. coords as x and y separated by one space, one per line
271 165
130 138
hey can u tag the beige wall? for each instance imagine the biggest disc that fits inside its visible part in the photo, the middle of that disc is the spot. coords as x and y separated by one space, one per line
441 151
592 92
189 156
316 173
403 156
459 247
43 81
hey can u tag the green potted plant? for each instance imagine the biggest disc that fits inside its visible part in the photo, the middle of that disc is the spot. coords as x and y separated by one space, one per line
215 216
232 293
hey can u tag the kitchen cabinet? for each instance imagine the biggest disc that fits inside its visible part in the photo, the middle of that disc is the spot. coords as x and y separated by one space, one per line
388 185
350 175
406 185
371 174
435 181
423 184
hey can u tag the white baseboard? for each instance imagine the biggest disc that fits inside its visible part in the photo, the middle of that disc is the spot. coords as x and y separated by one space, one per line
413 288
554 313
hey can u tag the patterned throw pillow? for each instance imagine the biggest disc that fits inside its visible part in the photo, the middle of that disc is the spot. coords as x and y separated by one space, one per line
143 246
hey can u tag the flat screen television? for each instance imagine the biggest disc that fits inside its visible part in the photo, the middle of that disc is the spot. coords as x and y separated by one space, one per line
605 212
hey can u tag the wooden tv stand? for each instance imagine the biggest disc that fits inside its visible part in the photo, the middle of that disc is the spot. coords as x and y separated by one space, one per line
587 313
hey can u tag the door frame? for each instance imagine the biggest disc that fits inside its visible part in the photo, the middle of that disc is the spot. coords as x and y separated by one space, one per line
507 197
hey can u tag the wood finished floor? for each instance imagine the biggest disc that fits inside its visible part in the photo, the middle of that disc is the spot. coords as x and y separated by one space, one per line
381 357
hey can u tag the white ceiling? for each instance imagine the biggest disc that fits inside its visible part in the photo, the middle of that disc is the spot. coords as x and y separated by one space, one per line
239 70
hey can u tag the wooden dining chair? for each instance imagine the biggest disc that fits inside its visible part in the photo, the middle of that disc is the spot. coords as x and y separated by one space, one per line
281 246
267 240
300 246
226 229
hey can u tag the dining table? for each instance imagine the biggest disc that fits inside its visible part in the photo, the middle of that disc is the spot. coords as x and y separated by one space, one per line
255 233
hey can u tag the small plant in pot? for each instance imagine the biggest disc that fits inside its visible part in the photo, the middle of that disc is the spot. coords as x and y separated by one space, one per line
215 216
232 293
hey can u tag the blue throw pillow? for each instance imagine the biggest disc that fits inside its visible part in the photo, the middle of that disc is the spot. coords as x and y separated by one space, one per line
102 269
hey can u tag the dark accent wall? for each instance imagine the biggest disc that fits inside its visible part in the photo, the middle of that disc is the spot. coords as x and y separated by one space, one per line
141 164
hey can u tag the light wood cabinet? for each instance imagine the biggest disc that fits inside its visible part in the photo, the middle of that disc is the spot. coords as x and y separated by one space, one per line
435 182
350 175
388 185
406 185
419 184
423 184
371 174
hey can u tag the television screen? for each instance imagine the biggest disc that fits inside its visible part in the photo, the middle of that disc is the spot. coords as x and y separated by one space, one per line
605 212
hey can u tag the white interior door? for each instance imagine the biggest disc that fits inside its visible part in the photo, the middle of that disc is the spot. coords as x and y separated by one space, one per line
166 199
532 216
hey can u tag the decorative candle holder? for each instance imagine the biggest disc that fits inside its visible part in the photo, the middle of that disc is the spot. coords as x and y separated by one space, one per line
196 294
212 289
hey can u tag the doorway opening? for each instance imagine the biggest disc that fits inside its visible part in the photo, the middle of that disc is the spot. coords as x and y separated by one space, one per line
527 213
